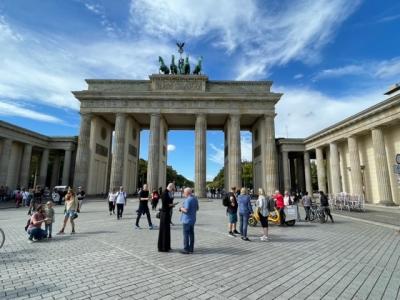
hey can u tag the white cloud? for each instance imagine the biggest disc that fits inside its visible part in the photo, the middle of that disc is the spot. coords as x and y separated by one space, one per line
8 109
171 148
298 76
302 112
217 155
265 33
246 146
341 71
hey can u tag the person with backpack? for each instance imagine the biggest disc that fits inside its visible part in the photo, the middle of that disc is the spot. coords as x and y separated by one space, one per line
263 209
231 210
324 202
121 202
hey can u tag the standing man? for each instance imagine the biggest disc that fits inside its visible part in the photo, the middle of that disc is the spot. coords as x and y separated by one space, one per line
143 207
121 202
81 196
307 202
280 205
188 218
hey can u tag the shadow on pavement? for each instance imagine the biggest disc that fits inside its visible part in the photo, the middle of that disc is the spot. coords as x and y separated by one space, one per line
222 250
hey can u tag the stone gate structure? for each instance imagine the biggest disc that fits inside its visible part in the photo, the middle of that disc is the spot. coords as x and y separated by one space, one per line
172 102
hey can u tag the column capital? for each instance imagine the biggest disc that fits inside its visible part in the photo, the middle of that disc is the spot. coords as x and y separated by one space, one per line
121 115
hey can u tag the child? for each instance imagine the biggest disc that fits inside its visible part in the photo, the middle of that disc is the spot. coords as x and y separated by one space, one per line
50 218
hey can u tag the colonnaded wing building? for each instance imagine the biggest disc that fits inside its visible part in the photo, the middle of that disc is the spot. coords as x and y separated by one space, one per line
356 155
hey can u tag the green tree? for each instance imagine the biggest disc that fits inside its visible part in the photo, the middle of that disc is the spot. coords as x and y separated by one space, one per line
314 176
247 176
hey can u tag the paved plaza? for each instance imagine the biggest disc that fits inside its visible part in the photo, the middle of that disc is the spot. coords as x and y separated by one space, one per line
108 259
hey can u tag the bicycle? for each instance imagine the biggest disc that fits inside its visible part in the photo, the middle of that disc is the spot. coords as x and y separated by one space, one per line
2 238
318 214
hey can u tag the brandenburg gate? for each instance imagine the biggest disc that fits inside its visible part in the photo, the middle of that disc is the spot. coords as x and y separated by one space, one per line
167 102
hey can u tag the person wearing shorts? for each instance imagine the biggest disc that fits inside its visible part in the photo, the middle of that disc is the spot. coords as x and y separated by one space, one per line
263 212
231 211
71 206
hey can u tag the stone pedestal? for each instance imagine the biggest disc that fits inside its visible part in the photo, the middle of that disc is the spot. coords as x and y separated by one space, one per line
25 166
200 155
321 170
307 173
286 171
66 167
270 164
83 152
4 161
355 168
44 163
235 159
382 172
154 155
335 168
117 166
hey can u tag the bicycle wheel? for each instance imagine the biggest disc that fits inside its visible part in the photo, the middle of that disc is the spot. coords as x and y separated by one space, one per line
2 237
312 215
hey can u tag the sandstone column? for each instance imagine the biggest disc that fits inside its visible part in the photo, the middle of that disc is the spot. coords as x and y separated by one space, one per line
335 168
117 165
154 155
66 167
25 166
200 153
270 162
321 170
55 172
44 163
300 173
355 168
307 172
4 161
235 159
286 171
83 152
382 172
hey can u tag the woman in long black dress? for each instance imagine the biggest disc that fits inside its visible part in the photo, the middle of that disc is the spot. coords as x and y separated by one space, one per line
164 236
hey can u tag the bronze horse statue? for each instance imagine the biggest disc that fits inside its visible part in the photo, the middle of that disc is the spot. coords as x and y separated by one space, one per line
173 67
163 68
197 68
186 66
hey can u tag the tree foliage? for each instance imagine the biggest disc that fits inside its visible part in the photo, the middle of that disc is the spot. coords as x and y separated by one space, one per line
247 176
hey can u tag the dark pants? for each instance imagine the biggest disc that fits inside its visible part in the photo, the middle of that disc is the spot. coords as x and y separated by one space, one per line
244 221
154 204
327 211
282 215
48 228
36 233
143 210
111 206
120 210
188 237
307 209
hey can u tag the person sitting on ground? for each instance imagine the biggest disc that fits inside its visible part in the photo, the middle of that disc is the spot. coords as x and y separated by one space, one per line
245 210
70 211
324 202
35 230
263 212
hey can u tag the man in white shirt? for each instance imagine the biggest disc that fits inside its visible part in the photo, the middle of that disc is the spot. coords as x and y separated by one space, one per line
121 202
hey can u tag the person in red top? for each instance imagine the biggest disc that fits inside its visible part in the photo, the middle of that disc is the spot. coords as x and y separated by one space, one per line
280 205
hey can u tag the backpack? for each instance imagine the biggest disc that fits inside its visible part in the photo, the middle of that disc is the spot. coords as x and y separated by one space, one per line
270 204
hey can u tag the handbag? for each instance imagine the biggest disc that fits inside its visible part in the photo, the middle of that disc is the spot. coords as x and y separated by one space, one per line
75 215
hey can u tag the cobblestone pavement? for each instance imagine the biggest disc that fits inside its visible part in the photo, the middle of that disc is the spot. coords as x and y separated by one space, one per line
108 259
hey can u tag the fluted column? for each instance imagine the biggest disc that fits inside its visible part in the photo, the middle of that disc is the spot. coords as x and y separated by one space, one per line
200 155
355 167
25 166
382 172
154 155
44 163
117 165
300 174
286 170
66 167
235 160
83 152
335 168
55 172
270 163
4 160
307 172
321 170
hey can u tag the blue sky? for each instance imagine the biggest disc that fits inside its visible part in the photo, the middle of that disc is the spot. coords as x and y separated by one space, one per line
330 58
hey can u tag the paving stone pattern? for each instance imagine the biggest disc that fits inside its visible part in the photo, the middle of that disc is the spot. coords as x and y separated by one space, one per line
108 259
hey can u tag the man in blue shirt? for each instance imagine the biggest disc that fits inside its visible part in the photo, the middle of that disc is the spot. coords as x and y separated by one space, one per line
188 218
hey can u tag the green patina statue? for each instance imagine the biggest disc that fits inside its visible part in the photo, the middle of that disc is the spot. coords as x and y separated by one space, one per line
163 68
186 66
173 67
197 68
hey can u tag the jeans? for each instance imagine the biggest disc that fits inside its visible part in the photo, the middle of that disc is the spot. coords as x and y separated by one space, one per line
36 233
307 209
244 220
188 237
120 210
48 228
